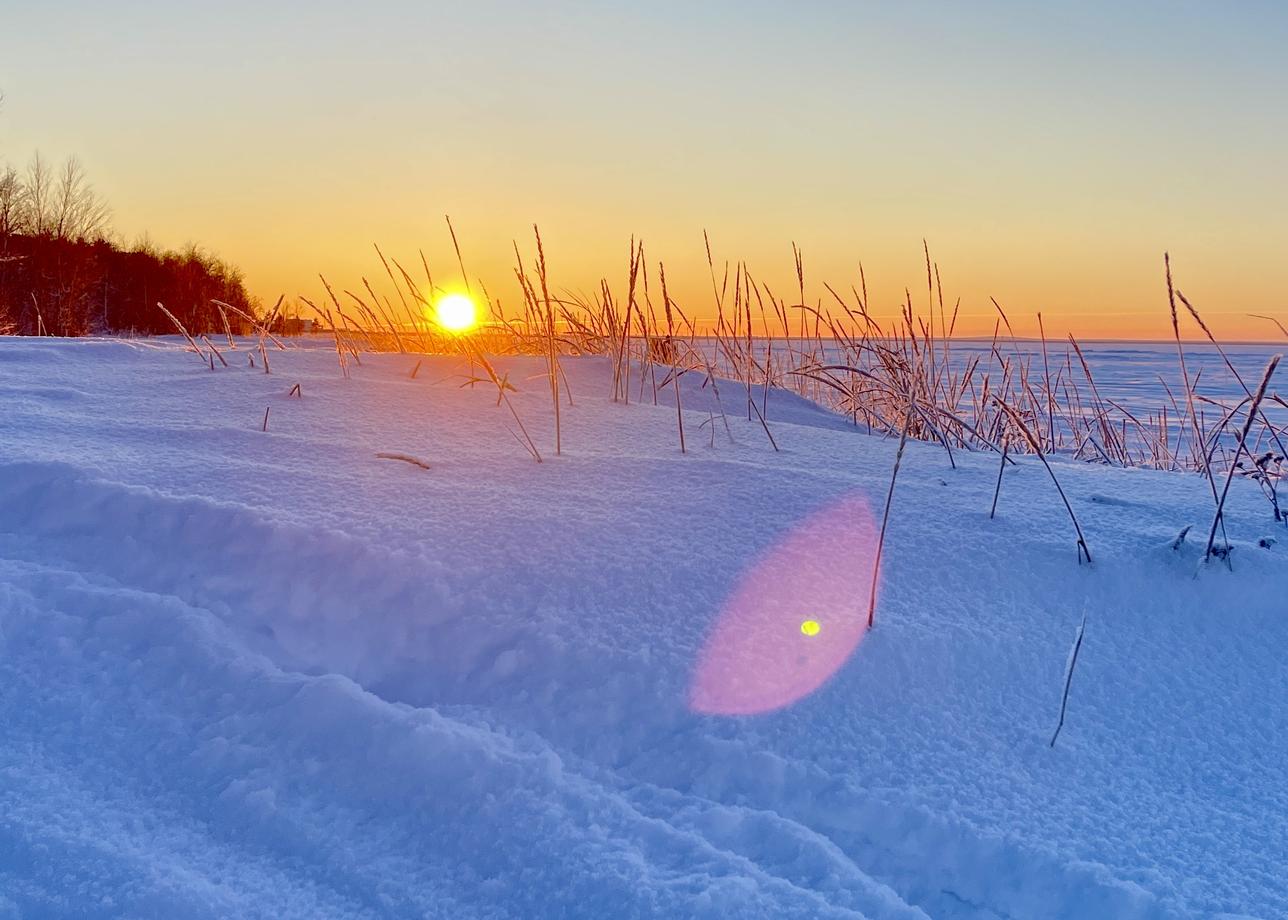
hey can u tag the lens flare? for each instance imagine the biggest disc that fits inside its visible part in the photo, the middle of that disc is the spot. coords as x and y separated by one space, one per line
761 655
456 313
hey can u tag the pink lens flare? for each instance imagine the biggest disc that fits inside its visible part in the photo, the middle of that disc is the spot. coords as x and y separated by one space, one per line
795 617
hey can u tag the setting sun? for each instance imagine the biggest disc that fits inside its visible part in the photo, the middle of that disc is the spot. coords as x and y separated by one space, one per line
456 313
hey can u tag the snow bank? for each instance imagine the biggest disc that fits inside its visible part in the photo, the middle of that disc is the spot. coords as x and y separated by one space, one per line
268 674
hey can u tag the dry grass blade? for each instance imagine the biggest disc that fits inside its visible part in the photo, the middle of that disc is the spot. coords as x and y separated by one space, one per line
885 516
1239 446
405 458
183 331
997 490
1083 550
259 326
214 352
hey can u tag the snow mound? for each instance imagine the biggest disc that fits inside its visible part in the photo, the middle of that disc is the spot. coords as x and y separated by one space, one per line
248 673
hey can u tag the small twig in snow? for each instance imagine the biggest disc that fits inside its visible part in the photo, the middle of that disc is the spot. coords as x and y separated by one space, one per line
405 458
1068 677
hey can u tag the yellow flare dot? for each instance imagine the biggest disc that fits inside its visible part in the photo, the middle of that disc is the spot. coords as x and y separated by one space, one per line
810 627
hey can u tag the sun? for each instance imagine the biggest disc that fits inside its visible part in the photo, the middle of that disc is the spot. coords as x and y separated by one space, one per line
456 312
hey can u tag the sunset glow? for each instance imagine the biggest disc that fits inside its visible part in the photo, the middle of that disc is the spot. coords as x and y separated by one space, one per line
1065 183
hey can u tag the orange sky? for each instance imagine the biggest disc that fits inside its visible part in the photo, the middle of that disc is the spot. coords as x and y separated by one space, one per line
1049 156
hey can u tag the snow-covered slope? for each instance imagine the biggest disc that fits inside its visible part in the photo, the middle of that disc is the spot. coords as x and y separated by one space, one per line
267 674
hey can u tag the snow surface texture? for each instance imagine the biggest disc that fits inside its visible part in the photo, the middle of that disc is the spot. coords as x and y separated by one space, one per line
249 674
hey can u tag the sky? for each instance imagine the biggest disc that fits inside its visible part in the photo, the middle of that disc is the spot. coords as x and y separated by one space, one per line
1048 153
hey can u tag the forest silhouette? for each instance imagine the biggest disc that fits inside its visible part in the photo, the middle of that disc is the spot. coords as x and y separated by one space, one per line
63 273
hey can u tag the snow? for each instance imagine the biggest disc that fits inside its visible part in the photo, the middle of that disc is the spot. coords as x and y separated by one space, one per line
267 674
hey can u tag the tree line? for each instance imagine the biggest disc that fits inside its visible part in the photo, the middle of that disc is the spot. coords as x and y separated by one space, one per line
63 273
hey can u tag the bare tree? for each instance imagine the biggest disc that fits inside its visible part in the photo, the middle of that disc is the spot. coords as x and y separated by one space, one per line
77 212
59 205
39 191
12 194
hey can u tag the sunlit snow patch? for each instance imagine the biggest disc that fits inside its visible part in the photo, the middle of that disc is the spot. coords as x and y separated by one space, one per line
794 617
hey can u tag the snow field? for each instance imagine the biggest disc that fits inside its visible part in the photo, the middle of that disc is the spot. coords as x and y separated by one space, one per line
267 674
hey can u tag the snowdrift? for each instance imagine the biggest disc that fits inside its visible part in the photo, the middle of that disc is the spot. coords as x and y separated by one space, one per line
268 674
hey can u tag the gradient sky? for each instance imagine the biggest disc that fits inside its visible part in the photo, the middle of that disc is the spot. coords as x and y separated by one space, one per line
1049 154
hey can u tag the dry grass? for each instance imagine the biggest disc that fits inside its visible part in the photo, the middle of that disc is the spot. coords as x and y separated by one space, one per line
832 351
898 378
